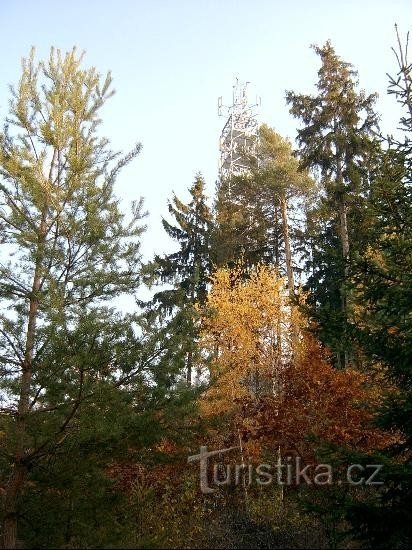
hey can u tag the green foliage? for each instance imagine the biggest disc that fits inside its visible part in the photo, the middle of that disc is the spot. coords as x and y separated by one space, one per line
97 408
383 285
66 359
249 222
188 271
337 141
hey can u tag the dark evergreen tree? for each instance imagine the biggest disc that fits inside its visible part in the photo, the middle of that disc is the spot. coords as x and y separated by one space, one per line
337 141
248 223
187 270
382 287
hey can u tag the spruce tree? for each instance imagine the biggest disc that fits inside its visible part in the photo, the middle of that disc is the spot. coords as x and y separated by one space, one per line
248 224
187 270
382 287
337 141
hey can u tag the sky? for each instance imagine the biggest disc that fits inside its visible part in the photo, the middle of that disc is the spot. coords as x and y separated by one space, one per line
172 59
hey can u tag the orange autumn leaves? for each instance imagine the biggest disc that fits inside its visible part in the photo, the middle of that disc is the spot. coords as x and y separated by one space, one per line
271 377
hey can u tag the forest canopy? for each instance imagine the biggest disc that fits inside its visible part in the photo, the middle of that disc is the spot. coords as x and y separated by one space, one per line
277 336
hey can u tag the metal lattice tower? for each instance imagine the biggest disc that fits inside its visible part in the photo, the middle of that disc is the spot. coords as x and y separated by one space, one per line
238 140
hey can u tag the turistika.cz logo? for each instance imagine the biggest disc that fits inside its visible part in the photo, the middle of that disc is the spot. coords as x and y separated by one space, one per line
284 471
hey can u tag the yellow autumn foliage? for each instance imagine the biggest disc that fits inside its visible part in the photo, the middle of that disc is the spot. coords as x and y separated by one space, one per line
272 378
248 330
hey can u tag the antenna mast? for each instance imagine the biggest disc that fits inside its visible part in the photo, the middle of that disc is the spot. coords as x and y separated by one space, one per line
239 137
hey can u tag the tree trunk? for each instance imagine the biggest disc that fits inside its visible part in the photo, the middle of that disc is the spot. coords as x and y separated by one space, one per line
20 465
276 240
189 365
345 253
288 253
344 238
343 222
289 270
344 231
13 489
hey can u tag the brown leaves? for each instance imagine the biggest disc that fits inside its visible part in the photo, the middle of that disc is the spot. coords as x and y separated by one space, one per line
277 385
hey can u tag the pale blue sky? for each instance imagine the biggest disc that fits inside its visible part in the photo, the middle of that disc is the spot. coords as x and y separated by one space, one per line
172 59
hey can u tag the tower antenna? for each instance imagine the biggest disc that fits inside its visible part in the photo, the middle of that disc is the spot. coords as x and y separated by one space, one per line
239 137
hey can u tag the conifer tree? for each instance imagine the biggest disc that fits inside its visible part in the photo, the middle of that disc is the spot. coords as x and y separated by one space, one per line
382 287
71 251
337 142
255 211
279 169
248 224
187 270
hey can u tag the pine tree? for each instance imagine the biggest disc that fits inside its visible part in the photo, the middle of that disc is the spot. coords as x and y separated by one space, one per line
255 212
279 169
71 252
